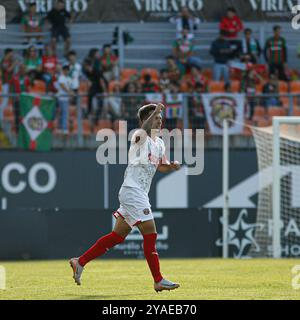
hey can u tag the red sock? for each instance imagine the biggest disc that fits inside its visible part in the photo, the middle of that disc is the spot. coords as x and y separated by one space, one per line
152 256
100 247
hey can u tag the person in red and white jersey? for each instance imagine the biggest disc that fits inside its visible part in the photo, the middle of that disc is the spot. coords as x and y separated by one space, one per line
146 155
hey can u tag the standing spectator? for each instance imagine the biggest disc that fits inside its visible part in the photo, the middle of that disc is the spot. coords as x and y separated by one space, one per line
7 65
276 54
185 21
75 72
250 48
272 87
64 93
112 105
20 83
58 18
98 85
196 108
183 52
173 70
231 24
109 63
32 61
195 77
222 53
32 22
49 67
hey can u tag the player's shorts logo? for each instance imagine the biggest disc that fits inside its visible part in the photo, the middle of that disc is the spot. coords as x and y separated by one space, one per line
146 211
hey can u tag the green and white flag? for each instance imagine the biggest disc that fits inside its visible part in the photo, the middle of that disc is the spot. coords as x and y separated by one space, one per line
36 122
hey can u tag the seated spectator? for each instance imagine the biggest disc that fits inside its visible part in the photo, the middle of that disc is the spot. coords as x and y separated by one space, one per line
272 87
172 69
195 77
222 53
32 61
196 109
130 105
65 92
109 64
183 52
58 18
149 86
49 67
185 21
276 54
112 105
250 48
32 22
164 81
7 68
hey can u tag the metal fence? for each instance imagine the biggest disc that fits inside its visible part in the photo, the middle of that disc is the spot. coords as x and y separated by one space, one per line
87 114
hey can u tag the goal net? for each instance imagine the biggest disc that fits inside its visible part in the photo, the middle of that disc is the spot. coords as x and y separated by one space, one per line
278 153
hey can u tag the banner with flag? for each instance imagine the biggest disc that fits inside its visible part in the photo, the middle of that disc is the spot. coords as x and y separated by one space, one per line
174 104
220 106
154 97
36 122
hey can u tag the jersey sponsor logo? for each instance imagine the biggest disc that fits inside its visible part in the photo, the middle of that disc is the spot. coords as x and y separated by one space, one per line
146 211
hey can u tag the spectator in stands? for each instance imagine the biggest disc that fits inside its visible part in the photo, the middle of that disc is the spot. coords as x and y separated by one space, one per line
222 53
131 104
98 84
250 48
148 85
276 54
21 82
173 104
32 61
196 108
49 67
195 77
185 21
32 22
183 52
164 81
7 66
272 87
64 93
231 24
75 72
58 18
173 70
249 82
112 105
109 63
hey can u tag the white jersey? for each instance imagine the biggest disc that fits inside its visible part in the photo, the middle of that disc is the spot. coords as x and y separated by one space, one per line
143 162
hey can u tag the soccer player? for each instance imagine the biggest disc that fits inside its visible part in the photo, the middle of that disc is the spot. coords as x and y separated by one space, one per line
146 154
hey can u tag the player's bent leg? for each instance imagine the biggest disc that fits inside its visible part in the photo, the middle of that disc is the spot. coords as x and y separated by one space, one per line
148 231
101 246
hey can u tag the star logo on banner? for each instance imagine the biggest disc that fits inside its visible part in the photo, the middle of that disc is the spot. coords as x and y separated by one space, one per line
241 235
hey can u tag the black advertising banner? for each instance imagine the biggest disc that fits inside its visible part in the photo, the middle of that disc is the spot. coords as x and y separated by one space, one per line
158 10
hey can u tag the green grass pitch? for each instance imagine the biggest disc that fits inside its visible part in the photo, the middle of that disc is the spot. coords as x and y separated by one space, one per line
130 279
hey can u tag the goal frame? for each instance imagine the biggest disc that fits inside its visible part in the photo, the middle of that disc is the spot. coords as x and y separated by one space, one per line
277 121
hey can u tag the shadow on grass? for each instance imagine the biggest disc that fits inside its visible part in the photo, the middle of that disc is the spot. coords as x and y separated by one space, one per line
100 297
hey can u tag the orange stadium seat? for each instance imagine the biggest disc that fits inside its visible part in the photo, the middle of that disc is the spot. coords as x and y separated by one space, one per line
208 74
8 113
235 85
259 111
113 83
39 86
127 73
276 111
103 124
283 87
263 123
216 86
86 127
153 72
296 112
295 86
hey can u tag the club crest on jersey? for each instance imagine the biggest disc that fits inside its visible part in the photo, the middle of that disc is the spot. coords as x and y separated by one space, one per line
146 211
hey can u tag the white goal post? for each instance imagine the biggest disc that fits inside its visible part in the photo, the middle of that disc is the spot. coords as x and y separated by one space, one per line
278 207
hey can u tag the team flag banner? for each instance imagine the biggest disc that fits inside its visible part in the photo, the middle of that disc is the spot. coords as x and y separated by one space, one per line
224 106
174 104
36 122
